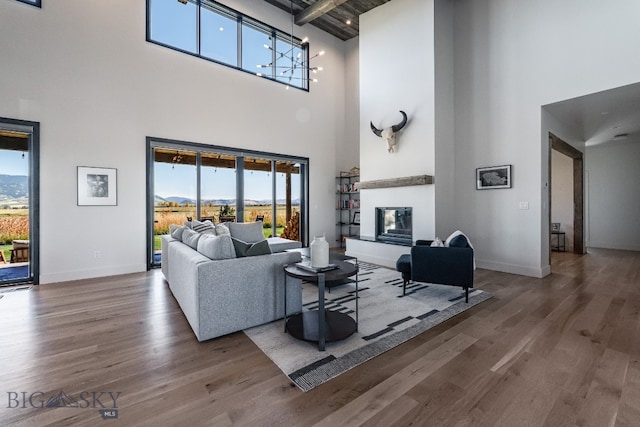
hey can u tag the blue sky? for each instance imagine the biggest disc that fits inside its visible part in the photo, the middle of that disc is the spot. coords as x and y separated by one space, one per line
12 163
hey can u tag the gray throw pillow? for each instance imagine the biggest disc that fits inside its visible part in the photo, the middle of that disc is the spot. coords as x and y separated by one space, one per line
250 232
202 227
244 249
176 231
190 237
216 247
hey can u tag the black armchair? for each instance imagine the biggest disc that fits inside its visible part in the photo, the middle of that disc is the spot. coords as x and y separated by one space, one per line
441 265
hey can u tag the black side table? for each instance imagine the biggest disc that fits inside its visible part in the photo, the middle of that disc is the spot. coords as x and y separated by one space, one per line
560 241
321 325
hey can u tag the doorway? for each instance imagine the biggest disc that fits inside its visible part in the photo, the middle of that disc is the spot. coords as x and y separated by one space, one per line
19 202
576 157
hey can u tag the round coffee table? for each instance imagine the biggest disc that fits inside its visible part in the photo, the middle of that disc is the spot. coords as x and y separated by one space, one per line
322 325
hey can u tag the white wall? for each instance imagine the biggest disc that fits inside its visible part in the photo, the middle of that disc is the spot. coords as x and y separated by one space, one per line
85 72
348 153
510 59
562 195
613 205
397 73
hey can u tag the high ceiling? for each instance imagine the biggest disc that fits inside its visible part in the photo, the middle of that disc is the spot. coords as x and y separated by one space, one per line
603 115
329 15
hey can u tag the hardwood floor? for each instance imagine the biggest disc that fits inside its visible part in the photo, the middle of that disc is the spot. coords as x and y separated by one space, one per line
558 351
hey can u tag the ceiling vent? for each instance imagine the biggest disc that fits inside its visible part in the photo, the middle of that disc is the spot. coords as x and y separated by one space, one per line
620 136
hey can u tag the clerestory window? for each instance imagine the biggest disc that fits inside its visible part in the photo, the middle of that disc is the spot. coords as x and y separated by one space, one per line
211 31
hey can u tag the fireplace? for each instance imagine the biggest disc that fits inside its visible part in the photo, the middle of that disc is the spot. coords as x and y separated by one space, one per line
393 225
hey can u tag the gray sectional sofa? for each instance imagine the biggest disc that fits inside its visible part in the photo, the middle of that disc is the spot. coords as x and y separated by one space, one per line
228 294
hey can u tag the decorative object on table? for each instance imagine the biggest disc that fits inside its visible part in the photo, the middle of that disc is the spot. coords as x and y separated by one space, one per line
354 171
555 226
389 134
423 307
356 218
493 177
319 252
97 186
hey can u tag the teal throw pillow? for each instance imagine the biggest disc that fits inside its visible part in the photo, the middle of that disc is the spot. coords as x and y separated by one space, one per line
244 249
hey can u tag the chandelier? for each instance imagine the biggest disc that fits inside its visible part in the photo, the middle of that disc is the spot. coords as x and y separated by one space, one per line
290 66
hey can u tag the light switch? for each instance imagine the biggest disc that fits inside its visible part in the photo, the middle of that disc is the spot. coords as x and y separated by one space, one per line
524 205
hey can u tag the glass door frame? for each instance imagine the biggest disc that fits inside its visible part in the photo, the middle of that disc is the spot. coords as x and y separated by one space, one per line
240 154
32 129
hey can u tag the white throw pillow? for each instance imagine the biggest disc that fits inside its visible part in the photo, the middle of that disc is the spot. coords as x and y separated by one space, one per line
222 230
437 243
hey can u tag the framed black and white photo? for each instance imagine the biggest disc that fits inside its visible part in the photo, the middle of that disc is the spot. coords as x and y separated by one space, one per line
356 218
97 186
493 177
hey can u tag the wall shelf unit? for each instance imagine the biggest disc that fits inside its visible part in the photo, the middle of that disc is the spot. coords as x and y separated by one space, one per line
347 207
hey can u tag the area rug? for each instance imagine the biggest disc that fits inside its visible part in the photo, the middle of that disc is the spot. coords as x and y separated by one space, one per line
386 319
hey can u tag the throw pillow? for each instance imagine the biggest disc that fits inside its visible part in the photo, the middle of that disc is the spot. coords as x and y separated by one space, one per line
190 238
222 230
202 227
244 249
460 241
437 243
216 247
176 231
250 232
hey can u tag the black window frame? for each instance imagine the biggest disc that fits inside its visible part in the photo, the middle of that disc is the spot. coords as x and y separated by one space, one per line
240 20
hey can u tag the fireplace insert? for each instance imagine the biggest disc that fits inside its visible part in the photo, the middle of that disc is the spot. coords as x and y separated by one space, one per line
394 225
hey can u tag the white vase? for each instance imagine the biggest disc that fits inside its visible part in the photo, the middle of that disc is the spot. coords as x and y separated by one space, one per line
319 252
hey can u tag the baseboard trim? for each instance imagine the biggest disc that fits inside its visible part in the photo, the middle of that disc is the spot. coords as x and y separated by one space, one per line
68 276
522 270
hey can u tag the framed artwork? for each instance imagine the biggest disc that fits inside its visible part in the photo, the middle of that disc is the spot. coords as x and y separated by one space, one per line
493 177
356 218
97 186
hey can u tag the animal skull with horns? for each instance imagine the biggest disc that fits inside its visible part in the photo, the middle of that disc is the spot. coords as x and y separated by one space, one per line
389 134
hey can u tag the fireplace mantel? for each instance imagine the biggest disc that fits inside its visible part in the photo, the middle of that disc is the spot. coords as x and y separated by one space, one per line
395 182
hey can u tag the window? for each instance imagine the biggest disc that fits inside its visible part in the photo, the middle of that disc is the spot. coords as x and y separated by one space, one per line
223 184
217 33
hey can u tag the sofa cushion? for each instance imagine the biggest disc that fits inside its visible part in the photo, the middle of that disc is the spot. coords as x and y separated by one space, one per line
278 244
203 227
190 238
250 232
216 247
244 249
176 231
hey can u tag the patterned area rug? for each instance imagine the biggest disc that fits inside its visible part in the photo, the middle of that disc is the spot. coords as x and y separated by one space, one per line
386 319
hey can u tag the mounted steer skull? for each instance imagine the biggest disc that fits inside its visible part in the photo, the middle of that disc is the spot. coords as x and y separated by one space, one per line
389 134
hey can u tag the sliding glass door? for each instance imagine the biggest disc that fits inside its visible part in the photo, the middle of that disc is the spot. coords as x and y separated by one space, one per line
18 202
222 184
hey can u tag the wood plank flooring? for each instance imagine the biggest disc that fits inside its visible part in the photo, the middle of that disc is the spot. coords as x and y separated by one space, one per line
558 351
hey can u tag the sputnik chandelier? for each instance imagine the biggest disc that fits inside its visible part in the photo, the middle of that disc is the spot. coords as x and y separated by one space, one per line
290 66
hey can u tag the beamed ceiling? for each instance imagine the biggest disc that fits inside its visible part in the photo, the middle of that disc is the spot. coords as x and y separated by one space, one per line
329 15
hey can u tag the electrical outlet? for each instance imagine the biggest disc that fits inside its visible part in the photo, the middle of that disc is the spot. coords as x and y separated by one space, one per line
524 205
96 254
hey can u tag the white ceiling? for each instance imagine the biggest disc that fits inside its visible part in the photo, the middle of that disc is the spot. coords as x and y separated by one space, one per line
602 115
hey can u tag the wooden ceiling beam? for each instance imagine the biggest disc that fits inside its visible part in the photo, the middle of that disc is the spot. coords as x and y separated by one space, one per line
316 10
